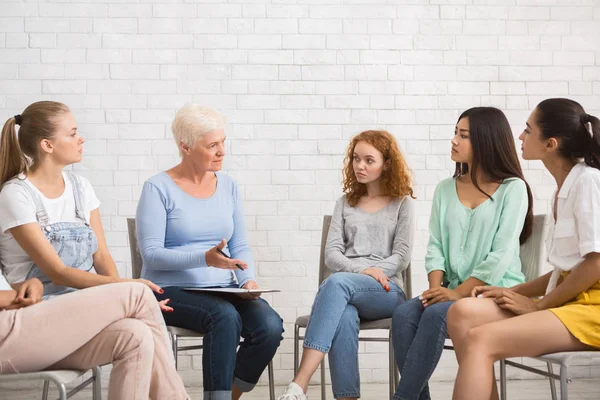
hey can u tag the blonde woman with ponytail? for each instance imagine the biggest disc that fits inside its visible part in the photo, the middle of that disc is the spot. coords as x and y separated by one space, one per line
508 322
50 238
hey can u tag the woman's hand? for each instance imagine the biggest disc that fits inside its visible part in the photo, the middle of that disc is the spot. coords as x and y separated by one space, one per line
250 296
29 292
508 299
217 260
164 307
438 295
487 291
155 288
379 276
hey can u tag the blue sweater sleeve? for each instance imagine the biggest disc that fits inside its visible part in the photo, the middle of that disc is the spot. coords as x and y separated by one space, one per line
238 243
151 226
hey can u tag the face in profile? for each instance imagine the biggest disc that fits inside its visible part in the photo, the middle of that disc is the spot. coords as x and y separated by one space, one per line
532 144
367 162
209 151
462 150
66 146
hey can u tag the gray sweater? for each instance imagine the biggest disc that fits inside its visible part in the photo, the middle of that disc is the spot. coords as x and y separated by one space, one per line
358 240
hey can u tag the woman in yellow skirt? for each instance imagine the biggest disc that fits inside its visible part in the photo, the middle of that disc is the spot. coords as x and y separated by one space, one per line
497 323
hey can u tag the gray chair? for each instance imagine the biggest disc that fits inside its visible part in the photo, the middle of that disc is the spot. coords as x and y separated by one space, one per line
384 324
533 260
60 378
175 332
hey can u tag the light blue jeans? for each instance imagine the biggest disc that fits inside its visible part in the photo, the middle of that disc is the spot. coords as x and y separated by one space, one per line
418 334
343 300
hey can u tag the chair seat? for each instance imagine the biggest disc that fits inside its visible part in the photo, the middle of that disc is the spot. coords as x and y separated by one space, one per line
565 358
62 376
386 323
184 332
302 321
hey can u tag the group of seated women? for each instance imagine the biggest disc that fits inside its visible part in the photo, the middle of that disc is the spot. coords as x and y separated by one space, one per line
60 285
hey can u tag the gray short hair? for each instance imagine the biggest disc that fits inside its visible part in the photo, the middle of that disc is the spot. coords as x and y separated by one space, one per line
193 121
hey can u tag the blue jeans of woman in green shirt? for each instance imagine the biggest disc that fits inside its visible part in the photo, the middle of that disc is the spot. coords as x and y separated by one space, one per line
418 334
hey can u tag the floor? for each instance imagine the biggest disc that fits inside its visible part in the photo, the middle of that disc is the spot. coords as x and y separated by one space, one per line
517 390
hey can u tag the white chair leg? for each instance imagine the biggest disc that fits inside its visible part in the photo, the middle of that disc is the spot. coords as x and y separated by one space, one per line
551 381
97 383
45 390
62 391
503 380
271 381
323 381
392 362
174 345
564 381
296 348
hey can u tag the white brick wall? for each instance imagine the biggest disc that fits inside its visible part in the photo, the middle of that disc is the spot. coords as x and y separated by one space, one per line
296 80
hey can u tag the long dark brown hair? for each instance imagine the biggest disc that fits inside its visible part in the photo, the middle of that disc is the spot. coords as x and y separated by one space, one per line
494 155
567 121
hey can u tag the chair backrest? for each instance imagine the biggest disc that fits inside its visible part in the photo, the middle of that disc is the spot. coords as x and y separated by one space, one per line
532 250
324 272
136 256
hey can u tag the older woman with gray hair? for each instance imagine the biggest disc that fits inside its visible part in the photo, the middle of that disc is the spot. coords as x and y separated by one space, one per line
191 232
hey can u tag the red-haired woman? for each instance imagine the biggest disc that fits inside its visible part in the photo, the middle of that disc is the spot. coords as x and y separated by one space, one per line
368 247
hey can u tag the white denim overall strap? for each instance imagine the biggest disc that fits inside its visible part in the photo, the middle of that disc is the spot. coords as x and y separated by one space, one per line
78 194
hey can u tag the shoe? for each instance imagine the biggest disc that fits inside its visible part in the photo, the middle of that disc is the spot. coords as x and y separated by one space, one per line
293 392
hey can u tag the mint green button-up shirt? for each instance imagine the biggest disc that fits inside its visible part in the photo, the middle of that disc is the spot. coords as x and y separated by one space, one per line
483 242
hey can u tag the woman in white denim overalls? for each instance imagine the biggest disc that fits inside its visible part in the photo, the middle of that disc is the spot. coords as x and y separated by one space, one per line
50 238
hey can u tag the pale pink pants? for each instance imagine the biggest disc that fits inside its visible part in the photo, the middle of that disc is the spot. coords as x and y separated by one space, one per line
119 323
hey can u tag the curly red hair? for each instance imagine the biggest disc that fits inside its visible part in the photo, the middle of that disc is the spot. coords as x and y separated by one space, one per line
395 180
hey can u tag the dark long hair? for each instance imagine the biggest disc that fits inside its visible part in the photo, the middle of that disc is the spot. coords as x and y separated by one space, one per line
577 131
494 154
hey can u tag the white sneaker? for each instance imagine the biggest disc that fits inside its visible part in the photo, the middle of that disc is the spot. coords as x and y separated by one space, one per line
293 392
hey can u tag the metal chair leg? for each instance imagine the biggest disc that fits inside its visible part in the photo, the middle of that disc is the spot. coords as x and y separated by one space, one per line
271 381
551 381
564 381
97 384
45 390
174 344
503 380
392 362
296 348
323 381
62 391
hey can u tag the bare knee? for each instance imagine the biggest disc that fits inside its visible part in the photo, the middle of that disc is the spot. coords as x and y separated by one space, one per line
459 316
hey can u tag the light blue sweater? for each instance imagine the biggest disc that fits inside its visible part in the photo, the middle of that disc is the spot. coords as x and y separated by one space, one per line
175 230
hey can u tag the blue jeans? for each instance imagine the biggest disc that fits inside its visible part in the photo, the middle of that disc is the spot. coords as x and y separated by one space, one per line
223 318
342 301
418 334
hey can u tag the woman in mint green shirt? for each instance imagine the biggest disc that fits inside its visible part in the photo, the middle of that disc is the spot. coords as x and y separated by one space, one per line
479 218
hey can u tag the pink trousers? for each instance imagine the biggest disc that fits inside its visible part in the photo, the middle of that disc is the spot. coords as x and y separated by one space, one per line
119 324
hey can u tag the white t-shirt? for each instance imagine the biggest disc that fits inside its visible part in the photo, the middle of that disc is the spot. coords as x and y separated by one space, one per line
17 208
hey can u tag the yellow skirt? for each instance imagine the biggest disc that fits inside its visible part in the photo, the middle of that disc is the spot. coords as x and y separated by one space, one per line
581 316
